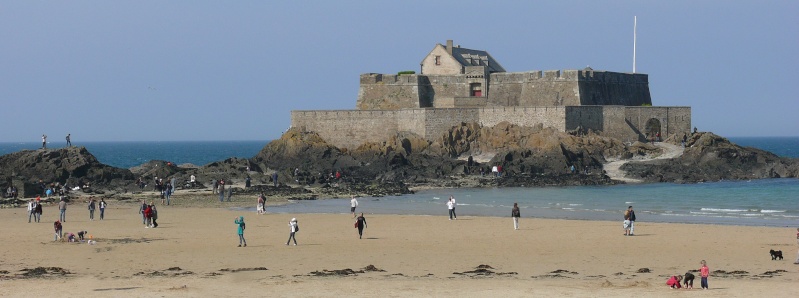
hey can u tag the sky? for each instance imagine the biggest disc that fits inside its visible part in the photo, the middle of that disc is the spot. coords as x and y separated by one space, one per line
234 70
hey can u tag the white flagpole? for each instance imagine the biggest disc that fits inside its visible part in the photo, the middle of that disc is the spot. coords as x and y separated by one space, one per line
635 37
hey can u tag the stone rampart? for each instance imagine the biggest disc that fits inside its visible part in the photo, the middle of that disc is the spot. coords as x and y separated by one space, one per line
351 128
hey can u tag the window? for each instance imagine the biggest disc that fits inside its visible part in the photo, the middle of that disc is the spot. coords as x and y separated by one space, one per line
438 60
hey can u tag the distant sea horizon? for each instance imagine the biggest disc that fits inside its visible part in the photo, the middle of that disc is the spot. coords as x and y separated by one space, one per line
128 154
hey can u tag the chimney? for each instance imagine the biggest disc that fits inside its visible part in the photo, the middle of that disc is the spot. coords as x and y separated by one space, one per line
449 46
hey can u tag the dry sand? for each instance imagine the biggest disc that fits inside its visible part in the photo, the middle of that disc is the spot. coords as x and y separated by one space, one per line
420 256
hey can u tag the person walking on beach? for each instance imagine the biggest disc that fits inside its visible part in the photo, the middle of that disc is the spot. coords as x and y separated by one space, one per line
704 272
632 220
229 193
626 224
360 223
69 141
148 215
353 205
294 228
37 212
142 210
215 185
797 242
102 208
222 190
62 206
44 141
31 209
451 207
261 202
240 223
515 213
153 215
91 208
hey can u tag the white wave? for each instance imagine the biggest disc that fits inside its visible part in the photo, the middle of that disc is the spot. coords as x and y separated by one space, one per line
772 211
723 210
628 203
752 214
575 204
436 198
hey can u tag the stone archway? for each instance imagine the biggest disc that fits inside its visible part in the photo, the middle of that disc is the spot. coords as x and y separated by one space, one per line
652 129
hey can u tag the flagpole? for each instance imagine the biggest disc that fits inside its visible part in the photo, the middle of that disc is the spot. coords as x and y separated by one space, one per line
635 37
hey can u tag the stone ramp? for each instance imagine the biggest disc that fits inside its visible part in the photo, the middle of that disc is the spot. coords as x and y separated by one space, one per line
613 168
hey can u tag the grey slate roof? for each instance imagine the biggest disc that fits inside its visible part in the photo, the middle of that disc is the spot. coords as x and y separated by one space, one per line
469 57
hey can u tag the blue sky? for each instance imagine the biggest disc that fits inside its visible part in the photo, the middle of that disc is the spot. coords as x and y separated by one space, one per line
233 70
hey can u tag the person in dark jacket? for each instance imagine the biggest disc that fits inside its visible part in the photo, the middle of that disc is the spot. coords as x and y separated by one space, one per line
360 222
515 213
632 219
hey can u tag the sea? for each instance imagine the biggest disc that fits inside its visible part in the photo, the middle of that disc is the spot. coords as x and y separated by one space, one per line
759 202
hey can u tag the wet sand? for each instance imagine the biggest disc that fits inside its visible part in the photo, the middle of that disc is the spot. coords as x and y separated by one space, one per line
194 253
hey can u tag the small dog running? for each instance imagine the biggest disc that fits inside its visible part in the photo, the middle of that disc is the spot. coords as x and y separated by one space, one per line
775 254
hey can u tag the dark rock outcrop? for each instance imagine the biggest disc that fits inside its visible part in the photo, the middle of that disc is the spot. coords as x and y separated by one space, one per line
73 166
709 157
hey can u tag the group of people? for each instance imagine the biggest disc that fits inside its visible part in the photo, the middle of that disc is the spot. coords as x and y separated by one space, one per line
11 192
149 214
35 209
241 226
44 140
688 282
629 221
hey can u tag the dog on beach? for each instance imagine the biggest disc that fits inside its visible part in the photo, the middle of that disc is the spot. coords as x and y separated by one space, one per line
81 234
688 281
775 254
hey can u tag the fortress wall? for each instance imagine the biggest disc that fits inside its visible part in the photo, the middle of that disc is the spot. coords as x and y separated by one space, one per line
614 125
347 128
439 121
534 88
584 117
447 86
613 88
525 116
673 120
390 92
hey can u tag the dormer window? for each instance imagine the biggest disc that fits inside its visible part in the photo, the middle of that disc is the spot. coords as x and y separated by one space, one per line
438 60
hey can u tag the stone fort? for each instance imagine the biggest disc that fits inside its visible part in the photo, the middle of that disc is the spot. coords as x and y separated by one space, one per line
458 85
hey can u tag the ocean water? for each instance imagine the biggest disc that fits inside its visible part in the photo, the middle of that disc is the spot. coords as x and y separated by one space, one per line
764 202
767 202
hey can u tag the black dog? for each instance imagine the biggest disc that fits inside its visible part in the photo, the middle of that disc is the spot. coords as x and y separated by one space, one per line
775 254
81 234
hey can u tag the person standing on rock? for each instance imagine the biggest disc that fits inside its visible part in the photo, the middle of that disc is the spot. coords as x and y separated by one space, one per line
274 178
360 223
353 205
451 207
44 141
515 213
69 141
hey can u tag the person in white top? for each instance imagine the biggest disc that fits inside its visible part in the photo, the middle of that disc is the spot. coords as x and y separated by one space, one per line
294 229
31 209
353 204
451 206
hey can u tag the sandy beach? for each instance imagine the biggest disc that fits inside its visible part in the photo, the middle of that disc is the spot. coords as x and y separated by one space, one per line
194 253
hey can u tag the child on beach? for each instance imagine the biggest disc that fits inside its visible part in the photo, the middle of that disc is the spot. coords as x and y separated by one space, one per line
58 230
240 222
294 228
674 282
704 272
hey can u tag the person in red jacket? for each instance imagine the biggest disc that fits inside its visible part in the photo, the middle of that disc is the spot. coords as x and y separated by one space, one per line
674 282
